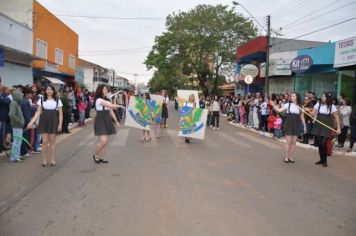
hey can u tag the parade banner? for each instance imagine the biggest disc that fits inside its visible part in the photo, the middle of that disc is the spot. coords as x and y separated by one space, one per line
192 121
140 113
157 113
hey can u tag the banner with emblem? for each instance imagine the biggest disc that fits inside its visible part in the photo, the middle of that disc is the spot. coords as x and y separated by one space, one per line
192 122
140 113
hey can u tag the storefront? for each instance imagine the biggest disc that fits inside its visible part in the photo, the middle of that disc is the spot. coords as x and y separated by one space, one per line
345 62
321 76
280 74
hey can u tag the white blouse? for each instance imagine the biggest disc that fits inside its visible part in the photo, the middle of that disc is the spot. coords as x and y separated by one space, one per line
324 109
49 104
293 109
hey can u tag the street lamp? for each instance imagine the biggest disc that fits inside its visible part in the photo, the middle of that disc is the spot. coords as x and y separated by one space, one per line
268 31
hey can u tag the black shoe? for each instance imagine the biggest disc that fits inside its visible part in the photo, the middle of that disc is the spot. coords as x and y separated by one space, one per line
291 161
97 161
103 161
286 161
187 140
318 163
325 164
68 132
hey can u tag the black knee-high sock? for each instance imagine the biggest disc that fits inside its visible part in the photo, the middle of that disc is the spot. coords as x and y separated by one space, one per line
322 145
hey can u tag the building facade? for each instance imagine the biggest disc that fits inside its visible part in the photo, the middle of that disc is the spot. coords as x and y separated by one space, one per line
57 45
16 37
254 52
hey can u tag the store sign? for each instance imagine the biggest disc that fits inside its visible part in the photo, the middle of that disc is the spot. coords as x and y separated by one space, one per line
248 79
345 52
276 68
51 67
249 70
301 64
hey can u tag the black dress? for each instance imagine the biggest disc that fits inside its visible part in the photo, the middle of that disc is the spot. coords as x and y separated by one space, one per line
49 120
293 125
320 130
103 123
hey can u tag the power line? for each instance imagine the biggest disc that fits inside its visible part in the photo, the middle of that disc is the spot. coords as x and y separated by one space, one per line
293 8
318 25
296 22
287 12
283 7
112 18
315 31
115 50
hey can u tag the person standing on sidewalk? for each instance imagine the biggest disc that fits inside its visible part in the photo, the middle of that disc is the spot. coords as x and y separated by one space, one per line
264 115
17 122
81 108
4 115
103 123
215 108
353 128
26 111
66 111
345 112
293 124
50 113
235 103
326 113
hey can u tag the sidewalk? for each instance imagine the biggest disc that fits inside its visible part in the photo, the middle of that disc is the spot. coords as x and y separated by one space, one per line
337 151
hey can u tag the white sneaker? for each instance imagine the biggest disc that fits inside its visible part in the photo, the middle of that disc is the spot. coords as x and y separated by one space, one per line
217 128
214 128
211 126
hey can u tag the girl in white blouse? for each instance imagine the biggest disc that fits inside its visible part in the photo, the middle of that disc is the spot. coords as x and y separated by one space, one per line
49 111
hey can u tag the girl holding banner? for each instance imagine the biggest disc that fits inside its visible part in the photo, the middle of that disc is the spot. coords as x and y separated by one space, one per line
146 134
326 113
293 124
190 103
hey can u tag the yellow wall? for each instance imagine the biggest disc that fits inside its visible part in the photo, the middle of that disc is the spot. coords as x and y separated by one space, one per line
56 34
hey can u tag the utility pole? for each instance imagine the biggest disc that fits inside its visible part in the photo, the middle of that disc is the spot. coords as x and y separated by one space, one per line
267 54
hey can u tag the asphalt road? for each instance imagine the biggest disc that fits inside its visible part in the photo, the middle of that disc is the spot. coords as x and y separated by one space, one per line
232 183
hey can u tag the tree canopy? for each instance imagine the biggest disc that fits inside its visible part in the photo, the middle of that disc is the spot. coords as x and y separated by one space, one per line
200 43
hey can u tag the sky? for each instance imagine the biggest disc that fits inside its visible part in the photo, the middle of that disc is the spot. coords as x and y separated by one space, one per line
126 43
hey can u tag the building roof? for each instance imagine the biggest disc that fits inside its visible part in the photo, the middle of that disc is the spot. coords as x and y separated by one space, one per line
84 63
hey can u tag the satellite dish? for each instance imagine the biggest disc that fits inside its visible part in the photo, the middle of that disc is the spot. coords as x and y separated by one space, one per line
278 32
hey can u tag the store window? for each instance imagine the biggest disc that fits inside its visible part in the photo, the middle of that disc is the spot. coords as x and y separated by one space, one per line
318 83
347 82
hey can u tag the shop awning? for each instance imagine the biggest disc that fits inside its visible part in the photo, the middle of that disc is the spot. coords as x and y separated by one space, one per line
53 80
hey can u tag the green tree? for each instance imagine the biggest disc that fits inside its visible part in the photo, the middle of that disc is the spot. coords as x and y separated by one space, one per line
200 43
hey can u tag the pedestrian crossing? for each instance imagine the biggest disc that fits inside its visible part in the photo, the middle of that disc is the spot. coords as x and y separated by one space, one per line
215 139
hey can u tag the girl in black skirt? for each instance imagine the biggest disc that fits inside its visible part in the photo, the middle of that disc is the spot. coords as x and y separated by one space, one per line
104 122
50 113
165 108
293 124
326 113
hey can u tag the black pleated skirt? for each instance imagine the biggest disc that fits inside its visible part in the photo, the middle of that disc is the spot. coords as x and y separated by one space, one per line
164 111
293 125
320 130
48 123
103 124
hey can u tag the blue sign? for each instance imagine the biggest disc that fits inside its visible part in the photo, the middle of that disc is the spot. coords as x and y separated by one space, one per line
1 58
301 64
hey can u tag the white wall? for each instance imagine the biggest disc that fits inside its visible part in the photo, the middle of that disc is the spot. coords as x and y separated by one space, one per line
15 35
19 10
12 74
88 78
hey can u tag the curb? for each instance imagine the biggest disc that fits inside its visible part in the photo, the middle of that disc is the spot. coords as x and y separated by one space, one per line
305 146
